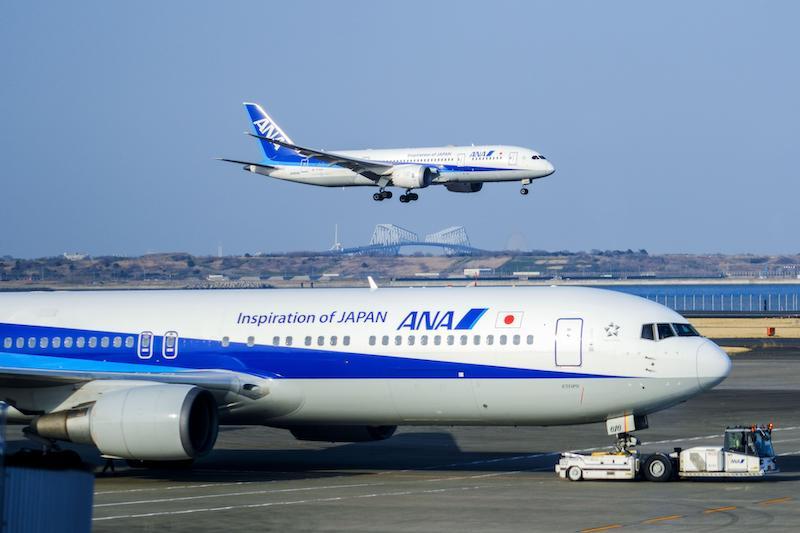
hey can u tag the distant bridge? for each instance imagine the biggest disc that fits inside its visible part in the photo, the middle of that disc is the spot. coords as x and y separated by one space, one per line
387 239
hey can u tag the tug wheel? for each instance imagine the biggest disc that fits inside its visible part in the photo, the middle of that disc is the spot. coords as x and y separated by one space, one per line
574 473
657 467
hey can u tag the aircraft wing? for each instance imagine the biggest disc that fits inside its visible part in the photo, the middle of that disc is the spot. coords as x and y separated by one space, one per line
373 170
29 372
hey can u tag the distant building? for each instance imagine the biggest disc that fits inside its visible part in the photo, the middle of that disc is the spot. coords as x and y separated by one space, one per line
74 256
217 277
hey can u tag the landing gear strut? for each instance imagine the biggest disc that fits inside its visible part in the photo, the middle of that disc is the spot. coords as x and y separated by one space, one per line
524 191
625 441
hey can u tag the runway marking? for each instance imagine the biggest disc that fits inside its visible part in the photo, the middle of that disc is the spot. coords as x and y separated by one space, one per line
663 519
275 504
227 494
797 452
178 487
720 509
601 528
773 501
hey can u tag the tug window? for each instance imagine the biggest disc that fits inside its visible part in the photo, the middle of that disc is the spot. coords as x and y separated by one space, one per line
665 331
647 332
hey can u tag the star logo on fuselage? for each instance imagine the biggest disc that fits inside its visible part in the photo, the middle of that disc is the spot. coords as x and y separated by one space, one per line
612 330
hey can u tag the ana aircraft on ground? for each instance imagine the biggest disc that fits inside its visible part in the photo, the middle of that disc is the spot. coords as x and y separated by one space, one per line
149 375
458 168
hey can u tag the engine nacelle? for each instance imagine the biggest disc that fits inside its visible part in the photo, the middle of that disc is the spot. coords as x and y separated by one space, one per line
150 422
413 176
464 187
342 433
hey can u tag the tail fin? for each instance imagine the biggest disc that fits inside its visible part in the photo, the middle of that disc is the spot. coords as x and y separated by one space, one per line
264 126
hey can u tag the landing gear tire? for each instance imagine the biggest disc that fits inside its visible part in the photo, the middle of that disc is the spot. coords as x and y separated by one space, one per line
386 194
412 196
404 199
657 467
377 196
574 473
523 191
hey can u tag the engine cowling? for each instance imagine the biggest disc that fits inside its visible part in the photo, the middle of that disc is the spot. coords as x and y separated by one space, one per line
150 422
342 433
464 187
413 176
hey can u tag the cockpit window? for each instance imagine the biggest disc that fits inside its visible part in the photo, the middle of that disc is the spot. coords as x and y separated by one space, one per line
685 330
534 157
542 157
664 331
647 332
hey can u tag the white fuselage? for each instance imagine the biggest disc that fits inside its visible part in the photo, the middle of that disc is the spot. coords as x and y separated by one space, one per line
455 164
473 356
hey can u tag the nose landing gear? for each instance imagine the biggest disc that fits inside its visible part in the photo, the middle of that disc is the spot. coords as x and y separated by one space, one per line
524 191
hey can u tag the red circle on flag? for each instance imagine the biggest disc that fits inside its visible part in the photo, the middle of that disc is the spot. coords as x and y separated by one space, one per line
509 319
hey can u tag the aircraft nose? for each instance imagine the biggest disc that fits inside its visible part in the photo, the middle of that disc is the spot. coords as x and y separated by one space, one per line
549 168
713 365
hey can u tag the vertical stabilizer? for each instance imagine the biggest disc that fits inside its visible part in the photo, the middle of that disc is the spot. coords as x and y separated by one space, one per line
264 126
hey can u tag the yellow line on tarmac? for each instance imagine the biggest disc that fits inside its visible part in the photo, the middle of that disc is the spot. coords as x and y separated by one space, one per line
773 501
601 528
720 509
663 518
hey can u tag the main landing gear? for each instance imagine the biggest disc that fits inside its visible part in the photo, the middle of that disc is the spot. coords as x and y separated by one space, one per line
382 195
409 197
524 191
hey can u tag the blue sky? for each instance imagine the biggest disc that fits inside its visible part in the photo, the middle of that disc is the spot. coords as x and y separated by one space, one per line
673 126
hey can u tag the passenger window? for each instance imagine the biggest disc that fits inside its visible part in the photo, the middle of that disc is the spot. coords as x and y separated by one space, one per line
411 340
104 342
516 340
92 342
489 339
476 340
665 331
226 341
32 342
7 342
529 340
423 340
80 342
372 340
397 340
346 340
288 341
503 340
647 332
276 341
334 340
320 341
437 340
43 342
67 342
450 340
129 342
385 340
308 340
20 342
56 342
117 342
463 340
251 341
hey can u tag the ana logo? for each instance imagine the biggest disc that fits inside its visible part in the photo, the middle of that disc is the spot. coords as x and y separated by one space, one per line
433 320
482 154
269 130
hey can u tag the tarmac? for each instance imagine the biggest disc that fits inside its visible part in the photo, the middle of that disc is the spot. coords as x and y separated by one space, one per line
470 479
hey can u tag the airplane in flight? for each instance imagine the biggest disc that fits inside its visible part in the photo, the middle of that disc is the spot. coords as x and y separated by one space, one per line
459 168
149 376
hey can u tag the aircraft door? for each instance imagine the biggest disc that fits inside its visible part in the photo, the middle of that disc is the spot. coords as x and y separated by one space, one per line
569 341
145 348
512 158
460 160
169 348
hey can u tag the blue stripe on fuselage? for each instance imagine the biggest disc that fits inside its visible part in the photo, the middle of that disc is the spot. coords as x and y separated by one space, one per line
265 361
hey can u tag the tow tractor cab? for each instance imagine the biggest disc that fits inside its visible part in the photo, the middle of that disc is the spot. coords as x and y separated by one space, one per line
746 452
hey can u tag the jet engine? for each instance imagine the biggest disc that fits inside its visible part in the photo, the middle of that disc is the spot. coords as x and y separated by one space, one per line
464 187
342 433
149 422
413 176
